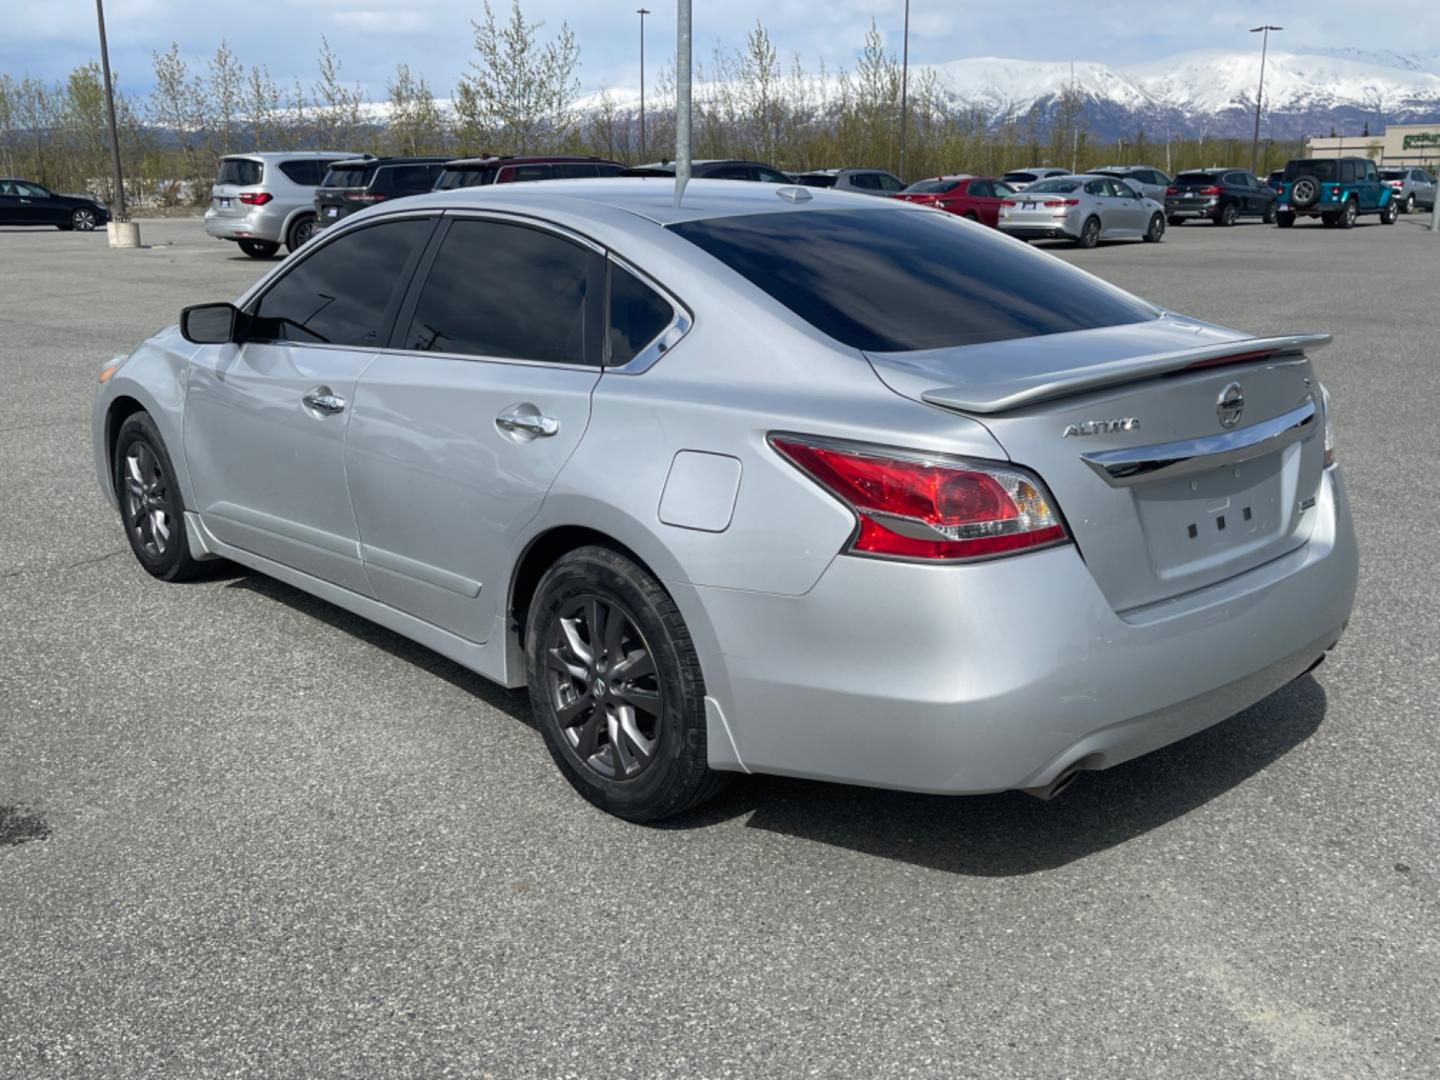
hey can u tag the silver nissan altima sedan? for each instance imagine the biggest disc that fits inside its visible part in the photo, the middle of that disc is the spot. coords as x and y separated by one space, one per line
780 481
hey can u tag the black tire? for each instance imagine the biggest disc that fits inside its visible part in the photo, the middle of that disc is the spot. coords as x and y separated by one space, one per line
1284 218
259 249
1389 213
1346 218
1227 215
1089 233
144 485
969 215
1175 220
1270 213
674 775
1409 205
1329 220
1156 232
301 230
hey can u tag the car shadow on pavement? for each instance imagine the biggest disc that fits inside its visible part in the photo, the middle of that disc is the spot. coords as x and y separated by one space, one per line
1012 833
979 835
513 703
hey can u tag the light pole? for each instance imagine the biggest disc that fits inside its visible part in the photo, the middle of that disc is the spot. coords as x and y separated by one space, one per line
904 89
119 178
1260 94
642 12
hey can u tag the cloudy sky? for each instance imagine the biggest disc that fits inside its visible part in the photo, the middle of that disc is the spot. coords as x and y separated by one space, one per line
48 37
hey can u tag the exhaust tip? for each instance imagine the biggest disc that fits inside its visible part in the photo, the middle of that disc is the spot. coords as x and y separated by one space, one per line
1064 778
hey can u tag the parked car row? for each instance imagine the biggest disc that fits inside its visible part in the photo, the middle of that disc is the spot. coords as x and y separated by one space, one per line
23 202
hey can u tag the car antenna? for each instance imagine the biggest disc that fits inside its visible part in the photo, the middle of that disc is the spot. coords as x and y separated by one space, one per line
682 98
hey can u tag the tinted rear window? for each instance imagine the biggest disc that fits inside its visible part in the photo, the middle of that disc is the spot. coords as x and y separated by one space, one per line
816 180
1188 179
1057 186
1394 174
1320 168
348 178
930 187
450 179
901 281
240 171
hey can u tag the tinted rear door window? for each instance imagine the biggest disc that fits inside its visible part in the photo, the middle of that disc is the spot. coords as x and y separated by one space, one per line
578 170
894 281
533 172
300 172
407 178
508 291
342 294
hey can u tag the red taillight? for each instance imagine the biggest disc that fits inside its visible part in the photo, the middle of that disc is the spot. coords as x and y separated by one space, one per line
363 196
1335 192
1397 183
1172 191
1232 358
1055 204
255 198
1211 190
1007 202
913 505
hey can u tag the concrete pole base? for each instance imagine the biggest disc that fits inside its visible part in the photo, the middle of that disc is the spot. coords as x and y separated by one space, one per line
124 234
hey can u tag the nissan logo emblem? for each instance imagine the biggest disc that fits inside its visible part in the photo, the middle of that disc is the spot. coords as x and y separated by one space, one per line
1230 406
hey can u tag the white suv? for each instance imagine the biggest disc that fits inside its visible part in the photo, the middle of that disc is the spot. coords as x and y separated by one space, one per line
857 181
261 201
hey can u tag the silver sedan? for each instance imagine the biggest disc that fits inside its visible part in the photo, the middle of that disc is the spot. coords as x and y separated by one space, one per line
1082 209
776 481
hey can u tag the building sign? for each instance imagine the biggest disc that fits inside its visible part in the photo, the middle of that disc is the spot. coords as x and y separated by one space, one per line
1421 140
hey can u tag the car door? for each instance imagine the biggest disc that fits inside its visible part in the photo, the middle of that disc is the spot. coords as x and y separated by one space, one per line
984 203
460 426
36 206
265 419
9 203
1123 209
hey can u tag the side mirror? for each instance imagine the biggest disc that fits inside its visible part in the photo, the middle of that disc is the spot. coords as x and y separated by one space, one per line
210 324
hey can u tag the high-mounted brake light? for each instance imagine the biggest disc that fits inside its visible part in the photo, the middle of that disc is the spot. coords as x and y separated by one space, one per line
913 505
1231 358
255 198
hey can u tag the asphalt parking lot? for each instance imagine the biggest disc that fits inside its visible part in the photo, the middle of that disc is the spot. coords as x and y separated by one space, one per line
244 833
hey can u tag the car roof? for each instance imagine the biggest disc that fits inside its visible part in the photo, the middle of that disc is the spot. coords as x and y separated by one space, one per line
367 159
651 198
524 159
287 155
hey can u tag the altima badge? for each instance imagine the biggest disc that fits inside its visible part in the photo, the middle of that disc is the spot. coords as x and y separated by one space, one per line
1230 405
1102 427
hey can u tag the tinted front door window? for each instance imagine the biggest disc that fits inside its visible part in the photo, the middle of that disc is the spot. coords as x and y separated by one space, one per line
509 291
343 293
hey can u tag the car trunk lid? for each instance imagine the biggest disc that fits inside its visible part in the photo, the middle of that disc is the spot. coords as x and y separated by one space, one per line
1167 481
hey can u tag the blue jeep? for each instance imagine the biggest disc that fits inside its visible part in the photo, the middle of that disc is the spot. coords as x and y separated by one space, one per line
1336 190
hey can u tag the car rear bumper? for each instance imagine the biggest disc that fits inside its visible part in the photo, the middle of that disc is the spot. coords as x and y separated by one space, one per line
1008 674
1037 232
262 223
1191 210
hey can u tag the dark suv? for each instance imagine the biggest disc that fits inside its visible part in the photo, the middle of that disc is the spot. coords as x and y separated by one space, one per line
477 171
1219 195
361 182
1336 190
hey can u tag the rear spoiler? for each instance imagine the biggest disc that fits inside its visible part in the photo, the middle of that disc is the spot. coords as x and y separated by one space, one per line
1002 395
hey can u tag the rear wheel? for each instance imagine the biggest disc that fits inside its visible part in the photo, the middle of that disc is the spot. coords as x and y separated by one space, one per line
1347 215
1284 218
1156 232
1089 233
150 503
1227 215
1175 219
616 687
1270 214
259 249
1409 207
300 231
1329 220
1389 213
970 215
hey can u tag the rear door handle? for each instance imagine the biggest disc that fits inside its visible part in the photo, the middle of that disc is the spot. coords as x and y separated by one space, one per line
526 420
323 400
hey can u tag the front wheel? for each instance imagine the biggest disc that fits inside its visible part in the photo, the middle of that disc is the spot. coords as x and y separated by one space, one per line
1284 218
259 249
1156 232
1089 233
84 220
1270 213
1389 214
150 503
616 687
1409 207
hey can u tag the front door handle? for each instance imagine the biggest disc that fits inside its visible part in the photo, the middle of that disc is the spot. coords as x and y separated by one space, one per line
323 400
527 421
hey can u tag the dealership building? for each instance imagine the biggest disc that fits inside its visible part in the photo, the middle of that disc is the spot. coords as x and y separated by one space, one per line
1399 144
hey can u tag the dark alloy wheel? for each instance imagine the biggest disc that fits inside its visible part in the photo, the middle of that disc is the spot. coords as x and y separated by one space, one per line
1346 217
1089 233
1270 214
1227 215
259 249
616 687
150 505
300 232
84 220
1156 232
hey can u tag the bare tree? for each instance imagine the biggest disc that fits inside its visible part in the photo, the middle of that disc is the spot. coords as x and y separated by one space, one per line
262 111
518 95
337 115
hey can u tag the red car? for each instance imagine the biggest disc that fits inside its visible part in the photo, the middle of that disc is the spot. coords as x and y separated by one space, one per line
974 197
